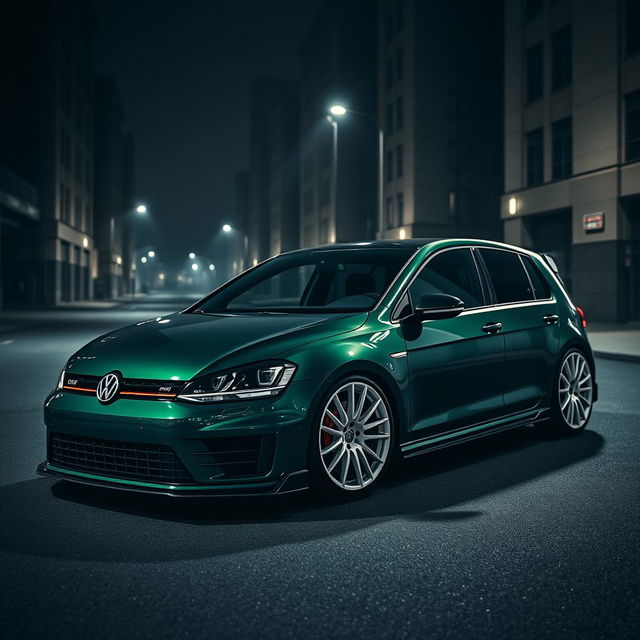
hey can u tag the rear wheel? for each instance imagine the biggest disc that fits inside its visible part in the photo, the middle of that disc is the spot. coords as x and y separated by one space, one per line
352 440
573 395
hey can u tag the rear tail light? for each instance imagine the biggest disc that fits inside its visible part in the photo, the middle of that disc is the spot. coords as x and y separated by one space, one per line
583 318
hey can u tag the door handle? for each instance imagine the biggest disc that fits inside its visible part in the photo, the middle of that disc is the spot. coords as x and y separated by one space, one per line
492 327
551 318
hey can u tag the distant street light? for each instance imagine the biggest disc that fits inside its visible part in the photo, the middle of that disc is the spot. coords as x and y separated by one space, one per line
194 266
192 256
212 267
339 111
226 228
143 259
141 209
151 253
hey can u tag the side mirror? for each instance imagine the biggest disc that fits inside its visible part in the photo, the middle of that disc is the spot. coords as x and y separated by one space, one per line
438 306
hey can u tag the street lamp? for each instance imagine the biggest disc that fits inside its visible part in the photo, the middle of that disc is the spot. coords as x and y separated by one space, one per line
194 266
141 209
192 256
227 228
339 111
212 267
151 253
143 259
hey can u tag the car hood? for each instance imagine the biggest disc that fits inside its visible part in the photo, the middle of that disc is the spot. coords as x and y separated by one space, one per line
181 345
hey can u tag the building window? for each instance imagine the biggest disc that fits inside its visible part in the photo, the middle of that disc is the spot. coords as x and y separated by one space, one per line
400 208
389 119
534 73
561 149
308 202
400 161
561 58
399 64
632 126
632 28
389 212
389 166
532 8
535 157
324 159
324 194
399 16
389 73
399 113
388 27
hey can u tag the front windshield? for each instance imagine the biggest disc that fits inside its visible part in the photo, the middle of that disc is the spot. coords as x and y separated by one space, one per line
326 281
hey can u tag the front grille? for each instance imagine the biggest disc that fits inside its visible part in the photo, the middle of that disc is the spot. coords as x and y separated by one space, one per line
131 387
236 456
126 460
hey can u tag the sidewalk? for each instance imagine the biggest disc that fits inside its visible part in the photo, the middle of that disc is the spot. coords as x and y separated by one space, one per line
615 341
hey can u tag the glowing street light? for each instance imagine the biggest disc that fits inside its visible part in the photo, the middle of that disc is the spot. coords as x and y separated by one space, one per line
337 110
151 253
226 228
192 256
212 267
194 266
143 259
141 209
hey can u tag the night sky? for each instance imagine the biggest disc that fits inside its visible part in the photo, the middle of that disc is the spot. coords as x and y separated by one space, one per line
184 69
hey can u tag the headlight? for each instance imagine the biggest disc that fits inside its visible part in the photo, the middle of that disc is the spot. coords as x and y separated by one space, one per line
245 383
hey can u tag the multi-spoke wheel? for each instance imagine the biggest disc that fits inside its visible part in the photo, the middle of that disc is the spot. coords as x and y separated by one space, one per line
354 438
571 406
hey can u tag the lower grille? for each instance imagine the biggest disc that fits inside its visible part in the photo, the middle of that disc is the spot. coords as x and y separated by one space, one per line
124 460
236 456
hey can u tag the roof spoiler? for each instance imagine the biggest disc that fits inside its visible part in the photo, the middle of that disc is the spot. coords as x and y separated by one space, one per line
551 262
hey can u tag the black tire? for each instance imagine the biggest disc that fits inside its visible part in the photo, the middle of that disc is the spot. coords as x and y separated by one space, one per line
559 424
321 480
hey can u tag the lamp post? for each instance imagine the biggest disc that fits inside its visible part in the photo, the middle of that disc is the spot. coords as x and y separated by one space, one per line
227 228
339 111
139 210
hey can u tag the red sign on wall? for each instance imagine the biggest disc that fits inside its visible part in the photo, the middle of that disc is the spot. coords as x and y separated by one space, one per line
593 222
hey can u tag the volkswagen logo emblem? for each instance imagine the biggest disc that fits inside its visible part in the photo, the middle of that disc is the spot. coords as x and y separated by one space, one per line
107 390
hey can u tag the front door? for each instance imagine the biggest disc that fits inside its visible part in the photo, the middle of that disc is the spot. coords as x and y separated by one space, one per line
456 365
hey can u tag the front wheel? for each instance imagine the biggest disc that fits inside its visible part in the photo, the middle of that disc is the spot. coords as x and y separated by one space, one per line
352 437
573 395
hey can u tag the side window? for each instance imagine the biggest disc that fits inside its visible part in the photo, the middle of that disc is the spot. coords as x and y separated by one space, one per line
541 287
453 272
510 281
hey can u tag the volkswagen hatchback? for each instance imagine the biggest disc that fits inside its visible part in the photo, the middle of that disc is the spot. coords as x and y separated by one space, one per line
320 366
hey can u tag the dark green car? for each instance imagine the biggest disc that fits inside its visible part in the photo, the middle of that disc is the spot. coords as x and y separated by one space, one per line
320 366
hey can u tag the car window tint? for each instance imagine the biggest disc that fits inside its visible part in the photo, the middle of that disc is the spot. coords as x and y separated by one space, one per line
541 287
508 276
452 272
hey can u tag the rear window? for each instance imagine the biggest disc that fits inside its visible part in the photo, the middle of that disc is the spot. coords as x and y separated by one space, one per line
541 288
510 281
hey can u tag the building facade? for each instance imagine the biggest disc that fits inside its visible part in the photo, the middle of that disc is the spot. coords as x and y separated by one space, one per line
273 130
338 170
46 135
114 198
572 145
440 107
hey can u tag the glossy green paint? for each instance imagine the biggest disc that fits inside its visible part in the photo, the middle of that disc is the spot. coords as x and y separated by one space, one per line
446 380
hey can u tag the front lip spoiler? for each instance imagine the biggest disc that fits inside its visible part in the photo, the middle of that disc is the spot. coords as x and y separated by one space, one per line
288 483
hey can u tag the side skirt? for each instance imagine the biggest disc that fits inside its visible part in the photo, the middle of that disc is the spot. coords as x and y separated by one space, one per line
473 432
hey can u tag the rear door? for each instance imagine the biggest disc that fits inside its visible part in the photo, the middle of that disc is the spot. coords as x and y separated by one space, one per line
456 365
529 317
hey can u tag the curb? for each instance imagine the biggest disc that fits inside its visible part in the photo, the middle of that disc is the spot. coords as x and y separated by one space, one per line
609 355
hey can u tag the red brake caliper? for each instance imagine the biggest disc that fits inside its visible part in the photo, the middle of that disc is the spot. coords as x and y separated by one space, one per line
327 438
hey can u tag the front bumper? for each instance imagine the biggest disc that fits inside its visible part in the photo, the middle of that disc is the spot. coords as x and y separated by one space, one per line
191 431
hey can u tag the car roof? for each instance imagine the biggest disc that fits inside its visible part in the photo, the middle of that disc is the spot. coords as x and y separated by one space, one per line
410 243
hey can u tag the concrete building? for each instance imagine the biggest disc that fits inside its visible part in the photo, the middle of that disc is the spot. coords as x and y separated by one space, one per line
440 106
46 135
572 145
19 224
114 197
274 127
338 161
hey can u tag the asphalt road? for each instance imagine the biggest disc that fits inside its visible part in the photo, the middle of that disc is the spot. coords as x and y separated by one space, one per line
508 537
